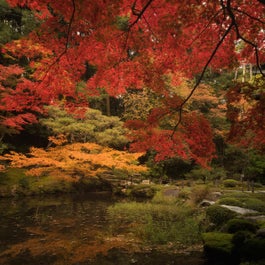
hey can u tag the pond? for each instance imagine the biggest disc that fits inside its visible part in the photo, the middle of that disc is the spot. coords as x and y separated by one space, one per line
71 230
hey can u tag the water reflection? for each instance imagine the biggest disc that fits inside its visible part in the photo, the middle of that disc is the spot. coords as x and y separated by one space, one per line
69 230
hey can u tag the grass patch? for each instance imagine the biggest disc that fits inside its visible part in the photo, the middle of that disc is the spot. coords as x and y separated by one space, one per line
157 223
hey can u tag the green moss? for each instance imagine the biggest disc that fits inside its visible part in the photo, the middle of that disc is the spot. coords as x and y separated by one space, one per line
231 201
219 215
254 204
235 225
218 244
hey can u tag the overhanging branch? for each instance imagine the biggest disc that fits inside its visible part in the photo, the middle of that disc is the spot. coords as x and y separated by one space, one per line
67 40
138 13
180 109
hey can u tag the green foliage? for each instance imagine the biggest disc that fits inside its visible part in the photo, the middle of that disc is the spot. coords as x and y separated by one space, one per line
219 215
218 244
157 223
254 204
15 22
159 198
199 173
204 174
230 183
3 147
218 173
235 225
231 201
252 201
165 170
122 22
234 159
142 191
14 182
255 167
238 160
93 127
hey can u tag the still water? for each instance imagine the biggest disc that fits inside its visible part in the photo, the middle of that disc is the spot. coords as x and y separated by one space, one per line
71 230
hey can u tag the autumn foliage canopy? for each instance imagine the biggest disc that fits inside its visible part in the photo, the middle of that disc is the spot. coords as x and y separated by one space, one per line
120 45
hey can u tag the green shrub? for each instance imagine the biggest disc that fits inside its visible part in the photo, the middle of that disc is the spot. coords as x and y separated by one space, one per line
217 244
143 191
230 201
254 204
230 183
219 215
235 225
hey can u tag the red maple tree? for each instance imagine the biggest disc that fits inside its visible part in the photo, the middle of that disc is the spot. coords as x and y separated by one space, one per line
133 44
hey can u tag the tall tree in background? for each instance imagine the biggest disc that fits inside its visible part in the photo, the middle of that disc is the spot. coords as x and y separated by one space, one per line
135 44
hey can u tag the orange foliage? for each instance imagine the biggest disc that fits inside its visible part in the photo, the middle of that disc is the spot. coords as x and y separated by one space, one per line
75 160
58 139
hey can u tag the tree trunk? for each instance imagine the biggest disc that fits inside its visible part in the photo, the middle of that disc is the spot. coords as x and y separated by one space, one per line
108 105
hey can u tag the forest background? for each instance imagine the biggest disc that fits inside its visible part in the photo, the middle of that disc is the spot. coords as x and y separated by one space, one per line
171 90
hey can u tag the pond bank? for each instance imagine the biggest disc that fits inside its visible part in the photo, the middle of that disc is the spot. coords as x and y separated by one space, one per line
74 230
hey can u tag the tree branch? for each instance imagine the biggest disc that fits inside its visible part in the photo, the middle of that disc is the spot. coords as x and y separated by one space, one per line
230 13
240 36
180 109
66 43
139 14
248 15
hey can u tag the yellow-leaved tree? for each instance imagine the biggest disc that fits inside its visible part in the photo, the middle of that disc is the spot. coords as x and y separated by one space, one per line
75 161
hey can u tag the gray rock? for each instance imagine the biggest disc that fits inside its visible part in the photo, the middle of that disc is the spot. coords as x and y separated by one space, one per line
237 209
206 203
